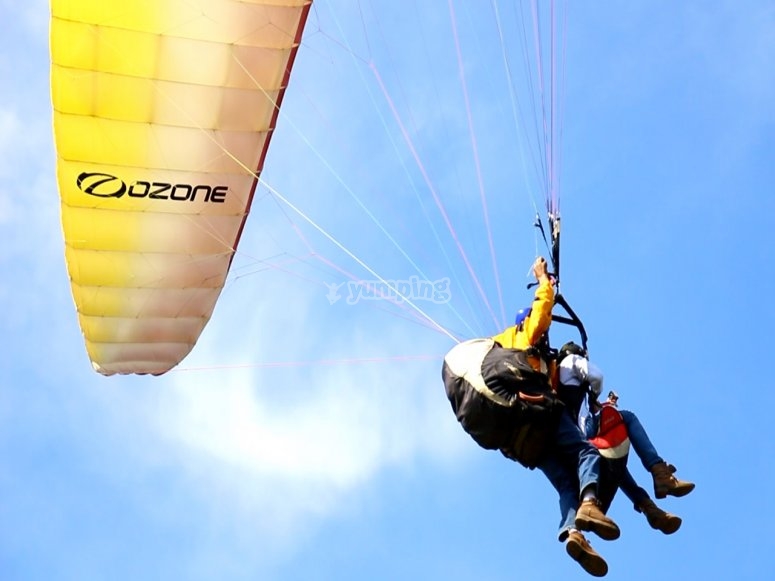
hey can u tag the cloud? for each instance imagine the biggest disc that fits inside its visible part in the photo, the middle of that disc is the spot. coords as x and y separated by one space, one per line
333 427
265 455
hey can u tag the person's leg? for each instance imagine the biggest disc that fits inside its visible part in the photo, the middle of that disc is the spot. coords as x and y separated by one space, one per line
572 449
664 481
565 482
582 552
567 487
610 475
630 488
640 440
658 519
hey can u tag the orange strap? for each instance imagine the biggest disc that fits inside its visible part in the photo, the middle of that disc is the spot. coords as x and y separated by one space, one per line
536 399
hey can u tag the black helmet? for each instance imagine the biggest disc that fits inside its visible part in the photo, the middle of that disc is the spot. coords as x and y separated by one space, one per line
571 348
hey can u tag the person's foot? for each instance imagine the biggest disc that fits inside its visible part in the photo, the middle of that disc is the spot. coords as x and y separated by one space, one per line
658 518
589 517
665 483
582 552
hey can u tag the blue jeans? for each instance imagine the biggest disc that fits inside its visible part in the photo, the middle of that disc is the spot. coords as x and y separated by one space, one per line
640 440
571 465
638 437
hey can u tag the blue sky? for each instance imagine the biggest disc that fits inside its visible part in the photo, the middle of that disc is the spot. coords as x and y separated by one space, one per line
251 462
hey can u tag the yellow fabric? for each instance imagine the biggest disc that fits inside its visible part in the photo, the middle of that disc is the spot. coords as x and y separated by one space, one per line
529 333
535 325
163 110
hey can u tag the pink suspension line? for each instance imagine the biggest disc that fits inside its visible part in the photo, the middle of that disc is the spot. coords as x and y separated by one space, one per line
477 163
436 199
542 97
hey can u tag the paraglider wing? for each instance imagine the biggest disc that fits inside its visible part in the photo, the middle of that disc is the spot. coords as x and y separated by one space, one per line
163 111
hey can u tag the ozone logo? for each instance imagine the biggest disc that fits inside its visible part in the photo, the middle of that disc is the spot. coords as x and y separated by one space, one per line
103 185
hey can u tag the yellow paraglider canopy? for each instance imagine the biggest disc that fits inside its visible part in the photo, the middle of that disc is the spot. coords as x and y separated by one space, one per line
163 112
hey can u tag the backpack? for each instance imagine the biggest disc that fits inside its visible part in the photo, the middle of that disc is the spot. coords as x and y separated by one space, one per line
612 439
500 400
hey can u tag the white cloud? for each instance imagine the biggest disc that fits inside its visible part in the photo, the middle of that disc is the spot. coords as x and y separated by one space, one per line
334 428
269 454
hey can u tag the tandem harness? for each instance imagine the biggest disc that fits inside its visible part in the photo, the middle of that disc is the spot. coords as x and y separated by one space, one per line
501 401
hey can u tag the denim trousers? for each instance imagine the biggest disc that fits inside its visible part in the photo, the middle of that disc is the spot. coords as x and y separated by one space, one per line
640 440
571 465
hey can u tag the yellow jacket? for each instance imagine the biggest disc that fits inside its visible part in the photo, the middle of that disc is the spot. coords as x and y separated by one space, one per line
529 333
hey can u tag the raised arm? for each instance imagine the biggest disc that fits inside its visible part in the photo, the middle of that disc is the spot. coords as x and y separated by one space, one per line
541 314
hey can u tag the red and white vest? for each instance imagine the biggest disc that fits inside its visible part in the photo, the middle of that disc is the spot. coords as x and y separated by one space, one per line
612 440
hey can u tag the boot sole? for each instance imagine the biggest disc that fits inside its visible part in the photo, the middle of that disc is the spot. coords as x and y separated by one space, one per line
593 564
671 526
681 491
677 492
603 530
667 525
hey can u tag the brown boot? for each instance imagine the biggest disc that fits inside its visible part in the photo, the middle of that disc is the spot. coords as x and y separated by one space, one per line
658 518
665 483
582 552
589 517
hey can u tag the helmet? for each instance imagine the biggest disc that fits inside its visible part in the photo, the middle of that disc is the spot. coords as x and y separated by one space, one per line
571 348
522 314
